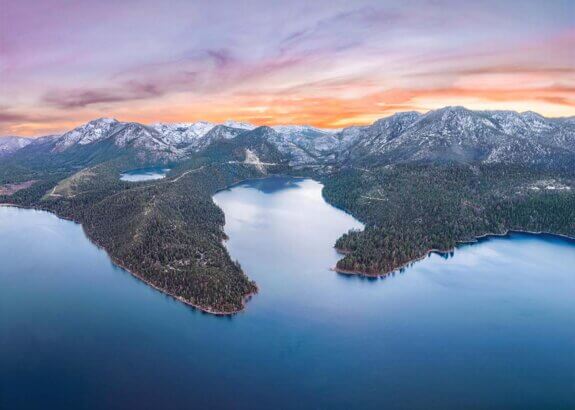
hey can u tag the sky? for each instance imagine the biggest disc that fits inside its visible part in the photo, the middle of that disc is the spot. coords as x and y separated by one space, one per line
325 63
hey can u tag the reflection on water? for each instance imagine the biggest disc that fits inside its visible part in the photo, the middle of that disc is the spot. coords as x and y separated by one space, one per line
444 255
493 326
144 174
271 185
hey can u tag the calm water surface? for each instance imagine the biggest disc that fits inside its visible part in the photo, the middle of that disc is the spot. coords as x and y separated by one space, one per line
144 174
491 327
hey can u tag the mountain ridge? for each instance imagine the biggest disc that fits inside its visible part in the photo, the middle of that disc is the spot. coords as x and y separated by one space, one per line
452 133
449 134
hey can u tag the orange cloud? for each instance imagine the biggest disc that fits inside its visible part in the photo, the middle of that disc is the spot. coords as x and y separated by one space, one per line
335 112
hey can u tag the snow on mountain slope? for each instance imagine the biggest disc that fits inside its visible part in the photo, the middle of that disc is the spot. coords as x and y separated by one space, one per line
240 125
9 145
219 132
88 133
462 135
305 144
447 134
180 134
300 130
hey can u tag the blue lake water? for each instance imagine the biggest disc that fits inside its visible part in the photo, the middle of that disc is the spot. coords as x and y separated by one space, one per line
144 174
492 327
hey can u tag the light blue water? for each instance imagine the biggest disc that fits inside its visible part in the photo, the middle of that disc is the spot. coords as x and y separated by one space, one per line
144 174
491 327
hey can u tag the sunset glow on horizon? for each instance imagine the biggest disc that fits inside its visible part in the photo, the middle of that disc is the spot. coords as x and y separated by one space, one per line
325 63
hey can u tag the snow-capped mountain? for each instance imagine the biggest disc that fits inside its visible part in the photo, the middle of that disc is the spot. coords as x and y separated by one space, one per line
217 133
301 130
447 134
88 133
240 125
181 134
160 141
462 135
146 140
9 145
304 144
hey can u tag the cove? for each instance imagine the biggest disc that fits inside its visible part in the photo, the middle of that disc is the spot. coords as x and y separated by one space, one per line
492 326
144 174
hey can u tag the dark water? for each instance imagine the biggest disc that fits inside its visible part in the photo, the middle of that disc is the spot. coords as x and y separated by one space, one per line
144 174
491 327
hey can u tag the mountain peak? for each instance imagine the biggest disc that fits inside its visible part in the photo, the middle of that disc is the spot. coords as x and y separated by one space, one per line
454 108
103 120
239 124
264 128
532 115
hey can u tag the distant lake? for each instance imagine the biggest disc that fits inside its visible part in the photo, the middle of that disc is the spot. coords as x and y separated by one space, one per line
491 327
144 174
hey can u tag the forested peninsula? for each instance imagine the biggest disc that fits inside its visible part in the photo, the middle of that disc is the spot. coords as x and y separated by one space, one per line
417 182
411 210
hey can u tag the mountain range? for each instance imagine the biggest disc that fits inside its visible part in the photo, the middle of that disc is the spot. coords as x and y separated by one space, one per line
451 134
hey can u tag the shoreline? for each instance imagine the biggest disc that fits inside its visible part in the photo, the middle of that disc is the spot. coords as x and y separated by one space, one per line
138 276
243 181
115 261
185 301
473 241
248 296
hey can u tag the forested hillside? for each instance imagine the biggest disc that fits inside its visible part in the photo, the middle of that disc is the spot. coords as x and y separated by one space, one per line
169 232
412 209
